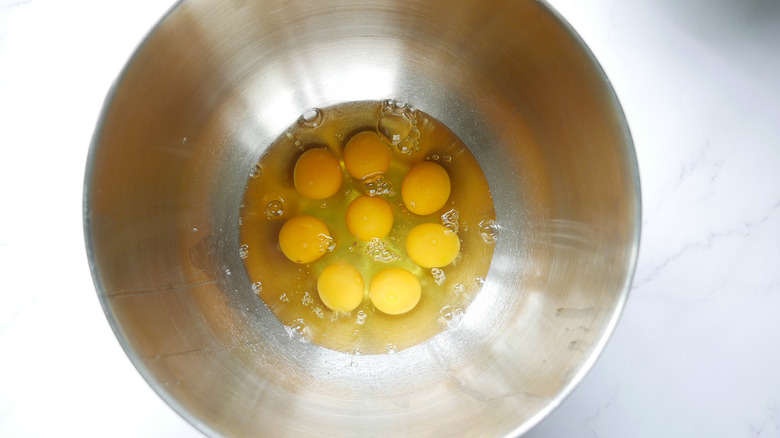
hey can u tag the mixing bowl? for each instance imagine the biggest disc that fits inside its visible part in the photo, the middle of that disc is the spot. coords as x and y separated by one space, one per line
216 82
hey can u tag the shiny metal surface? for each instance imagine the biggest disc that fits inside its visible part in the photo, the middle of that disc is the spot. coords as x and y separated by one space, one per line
216 82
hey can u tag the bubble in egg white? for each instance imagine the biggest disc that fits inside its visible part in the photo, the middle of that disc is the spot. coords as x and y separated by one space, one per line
438 276
274 209
397 126
311 118
298 331
257 287
488 229
450 220
450 317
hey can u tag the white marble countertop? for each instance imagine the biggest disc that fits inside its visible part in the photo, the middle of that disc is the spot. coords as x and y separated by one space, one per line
696 352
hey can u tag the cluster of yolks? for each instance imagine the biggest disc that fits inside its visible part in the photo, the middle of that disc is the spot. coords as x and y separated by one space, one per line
424 190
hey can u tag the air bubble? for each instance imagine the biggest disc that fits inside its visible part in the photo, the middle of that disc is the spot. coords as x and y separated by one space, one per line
318 311
298 331
327 243
353 364
479 280
194 230
255 171
459 288
432 157
298 145
228 272
306 300
397 126
450 220
488 229
391 349
438 276
284 298
257 287
377 186
311 118
450 317
274 209
361 317
243 251
378 250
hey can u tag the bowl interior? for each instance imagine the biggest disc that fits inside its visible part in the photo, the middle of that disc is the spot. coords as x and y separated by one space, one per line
216 82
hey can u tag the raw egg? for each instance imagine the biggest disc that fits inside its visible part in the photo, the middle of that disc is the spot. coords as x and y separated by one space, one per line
340 287
394 291
366 155
317 174
304 239
369 217
425 188
432 245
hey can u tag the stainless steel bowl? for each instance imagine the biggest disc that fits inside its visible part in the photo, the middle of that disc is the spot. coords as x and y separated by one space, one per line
216 81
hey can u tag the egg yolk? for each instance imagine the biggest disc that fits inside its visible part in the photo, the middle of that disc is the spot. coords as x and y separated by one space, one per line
369 217
366 155
425 188
304 239
432 245
394 291
317 174
340 287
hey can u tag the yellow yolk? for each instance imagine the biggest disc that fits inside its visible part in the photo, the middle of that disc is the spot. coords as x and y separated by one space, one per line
432 245
317 174
304 239
366 155
425 188
394 291
369 217
340 287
